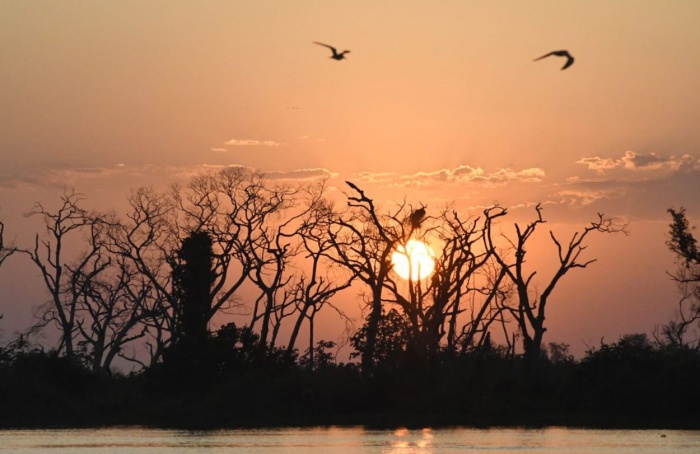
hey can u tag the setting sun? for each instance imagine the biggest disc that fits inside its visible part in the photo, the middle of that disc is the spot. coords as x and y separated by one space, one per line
416 257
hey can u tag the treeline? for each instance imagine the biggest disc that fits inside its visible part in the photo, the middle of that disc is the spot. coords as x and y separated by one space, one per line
631 383
147 284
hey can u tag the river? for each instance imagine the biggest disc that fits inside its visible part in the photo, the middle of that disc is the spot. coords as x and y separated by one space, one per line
336 440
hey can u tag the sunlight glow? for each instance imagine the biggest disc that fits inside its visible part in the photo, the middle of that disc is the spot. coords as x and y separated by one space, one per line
416 257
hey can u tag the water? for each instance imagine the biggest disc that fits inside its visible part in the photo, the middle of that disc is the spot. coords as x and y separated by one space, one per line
348 440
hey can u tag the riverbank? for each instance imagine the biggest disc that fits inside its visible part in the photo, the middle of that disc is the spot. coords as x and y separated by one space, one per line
611 388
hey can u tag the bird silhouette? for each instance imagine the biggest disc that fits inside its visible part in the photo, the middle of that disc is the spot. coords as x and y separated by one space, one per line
560 53
416 217
336 55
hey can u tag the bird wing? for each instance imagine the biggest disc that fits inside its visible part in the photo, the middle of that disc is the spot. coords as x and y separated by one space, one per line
558 53
544 56
335 51
569 61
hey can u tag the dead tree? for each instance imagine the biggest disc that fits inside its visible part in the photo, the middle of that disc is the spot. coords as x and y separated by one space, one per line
315 289
455 305
48 254
529 309
5 250
145 241
467 280
110 313
363 244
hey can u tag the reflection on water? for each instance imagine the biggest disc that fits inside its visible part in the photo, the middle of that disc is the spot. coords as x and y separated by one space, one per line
348 440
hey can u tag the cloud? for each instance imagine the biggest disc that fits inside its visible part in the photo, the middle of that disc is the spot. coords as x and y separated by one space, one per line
219 150
598 164
300 174
124 176
459 175
84 176
468 174
584 197
252 143
375 177
641 162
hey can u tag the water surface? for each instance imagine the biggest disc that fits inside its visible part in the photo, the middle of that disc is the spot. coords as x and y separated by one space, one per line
348 440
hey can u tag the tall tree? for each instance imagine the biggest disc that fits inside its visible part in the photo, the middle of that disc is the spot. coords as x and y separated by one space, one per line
111 312
687 276
59 277
6 250
456 304
314 289
363 242
193 278
146 241
681 240
529 310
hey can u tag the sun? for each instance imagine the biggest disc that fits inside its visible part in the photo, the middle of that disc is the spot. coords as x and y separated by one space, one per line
416 260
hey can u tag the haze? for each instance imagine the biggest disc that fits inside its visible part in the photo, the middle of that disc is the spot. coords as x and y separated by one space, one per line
438 102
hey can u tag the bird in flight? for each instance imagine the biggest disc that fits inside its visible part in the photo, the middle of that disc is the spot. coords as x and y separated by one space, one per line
560 53
336 55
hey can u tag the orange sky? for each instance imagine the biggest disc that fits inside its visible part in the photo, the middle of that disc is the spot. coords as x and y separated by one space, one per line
438 101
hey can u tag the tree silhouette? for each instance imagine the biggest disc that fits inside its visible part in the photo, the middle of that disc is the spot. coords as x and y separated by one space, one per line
314 289
60 280
529 309
681 240
363 243
96 299
391 340
5 250
457 301
193 277
110 312
687 276
146 241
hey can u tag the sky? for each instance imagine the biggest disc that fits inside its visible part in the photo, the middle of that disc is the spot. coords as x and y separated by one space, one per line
437 102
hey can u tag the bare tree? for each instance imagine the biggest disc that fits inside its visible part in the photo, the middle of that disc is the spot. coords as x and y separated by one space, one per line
94 302
467 280
529 310
6 250
457 302
61 281
315 289
363 243
145 242
110 312
245 217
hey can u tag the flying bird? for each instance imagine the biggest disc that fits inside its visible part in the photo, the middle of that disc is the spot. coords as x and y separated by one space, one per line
336 55
560 53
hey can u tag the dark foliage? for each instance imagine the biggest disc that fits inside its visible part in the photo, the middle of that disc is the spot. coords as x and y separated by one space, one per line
631 383
681 240
193 277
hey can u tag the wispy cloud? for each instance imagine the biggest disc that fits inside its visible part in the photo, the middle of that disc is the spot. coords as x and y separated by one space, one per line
252 143
584 197
219 150
468 174
300 174
375 177
641 162
80 177
461 175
